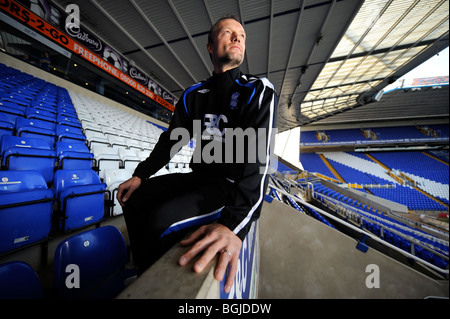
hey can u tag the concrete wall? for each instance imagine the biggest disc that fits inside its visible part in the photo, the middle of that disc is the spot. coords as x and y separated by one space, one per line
303 258
166 279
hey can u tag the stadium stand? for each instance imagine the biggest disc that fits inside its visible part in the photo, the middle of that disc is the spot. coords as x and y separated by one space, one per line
88 148
377 135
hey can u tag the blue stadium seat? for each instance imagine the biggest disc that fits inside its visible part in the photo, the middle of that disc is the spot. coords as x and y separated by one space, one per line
68 120
74 155
18 280
100 256
26 207
28 153
32 127
6 127
12 108
81 197
70 133
41 114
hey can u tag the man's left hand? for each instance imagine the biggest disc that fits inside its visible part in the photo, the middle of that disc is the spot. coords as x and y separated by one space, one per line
213 239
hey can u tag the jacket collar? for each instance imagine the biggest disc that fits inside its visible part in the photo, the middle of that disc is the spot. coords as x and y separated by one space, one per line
232 75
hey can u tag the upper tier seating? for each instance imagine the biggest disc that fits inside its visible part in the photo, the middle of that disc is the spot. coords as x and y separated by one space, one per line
377 135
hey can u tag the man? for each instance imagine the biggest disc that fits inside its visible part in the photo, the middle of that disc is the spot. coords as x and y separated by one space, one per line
233 189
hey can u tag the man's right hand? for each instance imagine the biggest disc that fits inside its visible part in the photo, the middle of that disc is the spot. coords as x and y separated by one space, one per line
127 188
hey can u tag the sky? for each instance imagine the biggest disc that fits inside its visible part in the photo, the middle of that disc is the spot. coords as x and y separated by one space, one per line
435 66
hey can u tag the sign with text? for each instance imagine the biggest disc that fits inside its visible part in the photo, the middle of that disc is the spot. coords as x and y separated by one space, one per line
51 31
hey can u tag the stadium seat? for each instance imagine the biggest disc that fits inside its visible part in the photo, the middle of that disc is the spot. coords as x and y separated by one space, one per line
68 120
69 133
129 158
94 138
32 127
107 158
113 178
74 155
81 198
40 114
26 208
28 153
6 127
100 256
18 280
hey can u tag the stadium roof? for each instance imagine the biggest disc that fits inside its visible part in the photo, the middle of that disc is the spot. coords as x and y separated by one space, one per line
323 57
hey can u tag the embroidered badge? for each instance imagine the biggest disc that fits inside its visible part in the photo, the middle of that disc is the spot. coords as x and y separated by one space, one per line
234 100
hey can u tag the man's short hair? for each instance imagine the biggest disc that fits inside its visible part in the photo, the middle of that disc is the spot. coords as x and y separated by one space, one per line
213 28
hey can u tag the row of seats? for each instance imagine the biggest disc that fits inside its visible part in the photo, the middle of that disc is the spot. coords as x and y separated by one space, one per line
46 151
95 260
47 176
115 135
27 205
357 169
301 208
62 162
431 175
394 232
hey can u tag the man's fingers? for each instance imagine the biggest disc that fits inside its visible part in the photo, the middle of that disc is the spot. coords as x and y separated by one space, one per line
194 236
207 256
233 269
127 188
213 239
224 259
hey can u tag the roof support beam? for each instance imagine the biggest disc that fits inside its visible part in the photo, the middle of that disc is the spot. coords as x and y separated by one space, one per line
291 51
129 36
270 38
155 30
311 53
183 25
243 25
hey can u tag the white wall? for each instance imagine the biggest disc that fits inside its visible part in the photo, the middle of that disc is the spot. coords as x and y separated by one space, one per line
287 146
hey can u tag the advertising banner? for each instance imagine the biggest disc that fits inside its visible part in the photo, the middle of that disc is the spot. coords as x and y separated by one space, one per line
436 80
48 20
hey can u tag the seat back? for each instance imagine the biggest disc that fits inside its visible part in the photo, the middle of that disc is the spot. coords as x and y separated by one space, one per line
74 155
81 196
25 142
33 122
74 177
93 255
17 181
26 209
28 153
64 146
18 280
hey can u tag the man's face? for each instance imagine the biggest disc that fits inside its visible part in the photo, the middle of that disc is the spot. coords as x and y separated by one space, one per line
228 48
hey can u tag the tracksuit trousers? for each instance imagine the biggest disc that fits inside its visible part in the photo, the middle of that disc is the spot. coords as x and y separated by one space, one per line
186 200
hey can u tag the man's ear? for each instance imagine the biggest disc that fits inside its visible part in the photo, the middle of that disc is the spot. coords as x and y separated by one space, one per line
209 47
